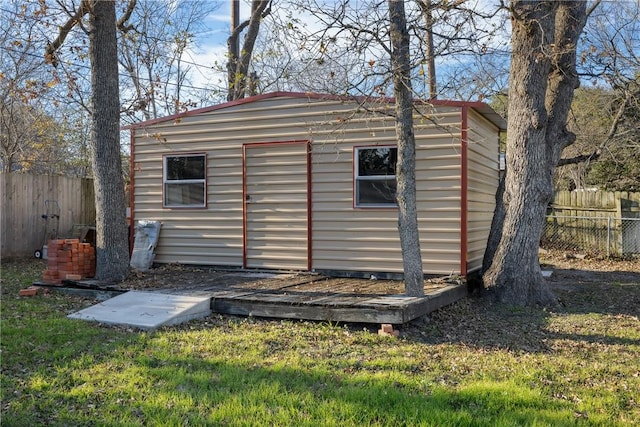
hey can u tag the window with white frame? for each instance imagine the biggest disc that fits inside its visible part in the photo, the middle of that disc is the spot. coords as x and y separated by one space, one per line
375 176
185 180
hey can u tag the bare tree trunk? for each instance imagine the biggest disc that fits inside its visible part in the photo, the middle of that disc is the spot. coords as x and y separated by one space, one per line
233 48
405 168
496 227
239 61
112 242
542 81
426 6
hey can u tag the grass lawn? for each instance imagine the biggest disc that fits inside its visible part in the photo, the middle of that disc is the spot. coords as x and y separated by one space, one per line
474 363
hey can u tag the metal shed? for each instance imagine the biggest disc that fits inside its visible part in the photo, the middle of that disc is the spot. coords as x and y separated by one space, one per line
304 181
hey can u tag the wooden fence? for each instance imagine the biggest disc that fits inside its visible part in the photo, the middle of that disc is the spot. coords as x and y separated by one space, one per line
24 200
595 221
619 204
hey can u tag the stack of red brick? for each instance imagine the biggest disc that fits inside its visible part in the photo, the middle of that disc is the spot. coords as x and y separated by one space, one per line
69 259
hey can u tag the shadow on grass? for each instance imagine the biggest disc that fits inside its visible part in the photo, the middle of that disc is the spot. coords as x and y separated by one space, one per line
585 291
594 309
80 374
195 391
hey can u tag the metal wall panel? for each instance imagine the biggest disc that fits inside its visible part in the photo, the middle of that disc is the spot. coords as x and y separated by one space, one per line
274 232
276 217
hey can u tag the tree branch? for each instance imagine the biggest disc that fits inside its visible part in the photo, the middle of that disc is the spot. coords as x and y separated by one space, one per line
121 24
593 7
613 129
563 78
259 10
52 47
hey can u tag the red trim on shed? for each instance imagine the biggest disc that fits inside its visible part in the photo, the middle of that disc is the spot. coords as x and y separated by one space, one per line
309 196
463 189
206 179
353 178
132 174
244 206
482 108
309 209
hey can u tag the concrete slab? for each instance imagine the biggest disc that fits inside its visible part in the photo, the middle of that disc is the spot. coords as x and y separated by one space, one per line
147 310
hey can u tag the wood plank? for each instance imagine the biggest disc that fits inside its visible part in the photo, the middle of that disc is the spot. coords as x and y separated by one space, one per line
232 293
396 309
23 199
435 300
391 301
325 297
320 299
329 286
307 312
280 284
339 300
271 298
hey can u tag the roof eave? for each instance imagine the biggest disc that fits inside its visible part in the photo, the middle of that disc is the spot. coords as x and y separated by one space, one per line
483 108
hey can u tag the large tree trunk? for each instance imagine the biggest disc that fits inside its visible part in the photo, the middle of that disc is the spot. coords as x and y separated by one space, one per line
496 227
405 168
427 11
542 81
239 61
112 242
233 49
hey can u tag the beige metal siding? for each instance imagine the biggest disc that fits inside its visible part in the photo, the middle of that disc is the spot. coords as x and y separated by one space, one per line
438 158
366 239
276 206
193 236
343 237
483 167
214 235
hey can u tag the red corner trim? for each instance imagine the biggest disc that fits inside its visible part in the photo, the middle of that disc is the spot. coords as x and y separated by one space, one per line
309 198
132 177
463 189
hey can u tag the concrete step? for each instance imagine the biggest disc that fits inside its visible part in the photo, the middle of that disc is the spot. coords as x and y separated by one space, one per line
146 310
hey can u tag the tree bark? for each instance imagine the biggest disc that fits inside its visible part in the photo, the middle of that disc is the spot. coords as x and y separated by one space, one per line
239 61
542 81
112 243
405 168
426 6
496 227
233 48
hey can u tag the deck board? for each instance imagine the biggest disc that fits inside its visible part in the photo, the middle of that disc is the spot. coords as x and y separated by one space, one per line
315 297
335 300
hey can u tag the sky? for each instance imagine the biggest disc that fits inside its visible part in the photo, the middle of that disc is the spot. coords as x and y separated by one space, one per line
212 44
212 47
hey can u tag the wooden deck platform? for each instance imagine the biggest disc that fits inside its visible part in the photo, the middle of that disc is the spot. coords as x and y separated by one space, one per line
309 296
313 297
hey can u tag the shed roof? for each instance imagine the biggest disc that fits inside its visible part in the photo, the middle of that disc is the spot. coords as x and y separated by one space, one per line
482 108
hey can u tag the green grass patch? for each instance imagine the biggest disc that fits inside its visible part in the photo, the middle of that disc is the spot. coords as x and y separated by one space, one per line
474 364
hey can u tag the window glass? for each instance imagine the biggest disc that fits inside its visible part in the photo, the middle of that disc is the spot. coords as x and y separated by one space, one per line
185 167
377 161
185 181
375 177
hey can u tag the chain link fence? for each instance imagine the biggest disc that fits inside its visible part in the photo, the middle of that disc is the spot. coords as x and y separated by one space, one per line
597 236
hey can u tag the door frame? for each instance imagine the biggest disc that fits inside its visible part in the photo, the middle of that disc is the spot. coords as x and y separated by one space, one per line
307 144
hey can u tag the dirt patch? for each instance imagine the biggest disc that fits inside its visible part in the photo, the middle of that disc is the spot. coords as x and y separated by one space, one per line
569 271
604 294
173 276
185 278
569 268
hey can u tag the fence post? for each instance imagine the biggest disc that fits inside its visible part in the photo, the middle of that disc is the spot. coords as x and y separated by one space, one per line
608 235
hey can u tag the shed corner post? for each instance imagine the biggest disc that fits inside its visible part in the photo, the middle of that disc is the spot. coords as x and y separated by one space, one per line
132 171
464 134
